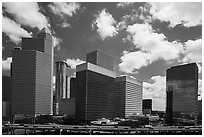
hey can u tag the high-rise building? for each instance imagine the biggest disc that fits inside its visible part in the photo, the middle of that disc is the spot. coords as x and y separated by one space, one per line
128 96
62 85
72 87
182 92
99 58
67 106
6 95
199 111
95 92
147 106
6 88
32 72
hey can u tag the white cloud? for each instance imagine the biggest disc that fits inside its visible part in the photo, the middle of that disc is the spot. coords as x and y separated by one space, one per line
53 82
64 25
200 88
26 13
156 91
199 68
147 40
132 61
140 15
74 62
152 47
13 30
123 4
6 66
64 8
57 42
193 51
186 13
105 24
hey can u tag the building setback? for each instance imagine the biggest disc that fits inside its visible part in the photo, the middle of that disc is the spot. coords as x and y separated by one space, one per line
128 96
32 72
95 92
99 58
182 92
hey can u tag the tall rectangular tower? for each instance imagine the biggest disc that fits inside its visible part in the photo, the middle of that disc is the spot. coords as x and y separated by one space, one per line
61 88
95 92
32 72
128 96
182 92
99 58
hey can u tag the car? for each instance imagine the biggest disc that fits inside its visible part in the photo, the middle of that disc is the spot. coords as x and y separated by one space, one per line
126 127
75 127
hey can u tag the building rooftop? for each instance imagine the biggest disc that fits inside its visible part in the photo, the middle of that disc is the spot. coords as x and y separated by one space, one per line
45 30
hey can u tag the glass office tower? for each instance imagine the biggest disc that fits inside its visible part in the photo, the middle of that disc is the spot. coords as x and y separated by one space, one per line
95 86
32 72
182 92
95 92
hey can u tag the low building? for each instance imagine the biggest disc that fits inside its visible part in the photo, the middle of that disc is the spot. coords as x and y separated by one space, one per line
67 107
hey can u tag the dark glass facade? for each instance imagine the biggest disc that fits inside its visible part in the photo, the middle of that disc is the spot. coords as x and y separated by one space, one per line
95 93
72 87
182 92
32 71
6 88
147 106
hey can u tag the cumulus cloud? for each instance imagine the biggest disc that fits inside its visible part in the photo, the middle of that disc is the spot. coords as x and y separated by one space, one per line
186 13
132 61
193 51
156 90
26 13
137 15
57 42
200 88
14 30
64 8
6 66
105 24
154 47
74 62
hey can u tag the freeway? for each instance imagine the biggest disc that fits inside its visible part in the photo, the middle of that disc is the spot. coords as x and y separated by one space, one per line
68 129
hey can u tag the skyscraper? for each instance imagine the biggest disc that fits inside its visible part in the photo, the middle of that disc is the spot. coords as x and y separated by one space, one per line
62 85
72 87
95 91
6 95
182 92
100 59
32 71
128 96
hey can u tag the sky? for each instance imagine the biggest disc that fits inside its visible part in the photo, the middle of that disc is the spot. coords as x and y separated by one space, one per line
144 39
